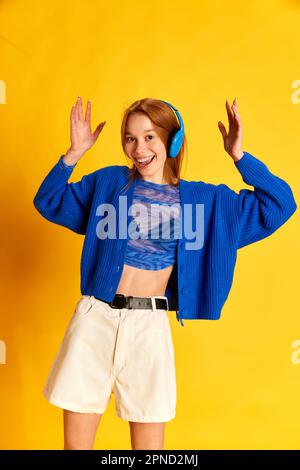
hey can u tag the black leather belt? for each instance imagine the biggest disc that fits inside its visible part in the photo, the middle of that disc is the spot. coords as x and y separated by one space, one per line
120 301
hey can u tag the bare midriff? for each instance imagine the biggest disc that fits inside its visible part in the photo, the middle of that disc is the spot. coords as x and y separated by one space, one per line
143 282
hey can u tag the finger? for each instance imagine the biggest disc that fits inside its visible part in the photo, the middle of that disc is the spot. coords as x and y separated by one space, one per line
79 103
99 129
234 106
238 121
229 112
237 118
73 115
222 129
76 114
88 112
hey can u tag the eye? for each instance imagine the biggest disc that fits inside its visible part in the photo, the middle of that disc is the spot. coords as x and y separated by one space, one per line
149 135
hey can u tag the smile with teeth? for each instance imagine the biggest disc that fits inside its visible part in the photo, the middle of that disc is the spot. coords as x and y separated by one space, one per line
145 161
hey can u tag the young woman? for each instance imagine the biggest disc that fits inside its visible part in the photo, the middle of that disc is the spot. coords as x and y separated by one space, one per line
119 338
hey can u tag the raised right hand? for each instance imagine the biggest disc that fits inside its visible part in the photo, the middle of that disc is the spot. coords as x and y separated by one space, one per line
82 139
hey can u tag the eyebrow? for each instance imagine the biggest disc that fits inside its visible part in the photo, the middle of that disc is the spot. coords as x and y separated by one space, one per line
148 130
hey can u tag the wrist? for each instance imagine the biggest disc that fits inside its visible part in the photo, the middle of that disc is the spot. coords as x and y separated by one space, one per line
237 157
71 157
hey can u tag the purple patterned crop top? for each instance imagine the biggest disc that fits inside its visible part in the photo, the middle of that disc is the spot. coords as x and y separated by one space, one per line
155 228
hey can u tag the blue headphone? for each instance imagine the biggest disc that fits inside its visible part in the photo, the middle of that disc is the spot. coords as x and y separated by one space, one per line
177 139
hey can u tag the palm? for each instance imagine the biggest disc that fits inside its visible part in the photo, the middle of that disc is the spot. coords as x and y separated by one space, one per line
81 135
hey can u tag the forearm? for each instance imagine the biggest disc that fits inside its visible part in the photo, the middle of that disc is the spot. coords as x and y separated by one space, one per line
270 204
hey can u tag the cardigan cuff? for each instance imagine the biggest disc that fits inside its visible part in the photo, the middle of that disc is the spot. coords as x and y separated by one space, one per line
63 165
254 170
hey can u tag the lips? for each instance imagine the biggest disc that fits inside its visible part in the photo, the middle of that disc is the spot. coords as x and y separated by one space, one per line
143 162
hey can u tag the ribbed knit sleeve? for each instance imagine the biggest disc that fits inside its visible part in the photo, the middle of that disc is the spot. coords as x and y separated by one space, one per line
262 211
64 203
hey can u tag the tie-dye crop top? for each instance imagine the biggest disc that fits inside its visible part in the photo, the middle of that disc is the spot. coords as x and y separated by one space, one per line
155 228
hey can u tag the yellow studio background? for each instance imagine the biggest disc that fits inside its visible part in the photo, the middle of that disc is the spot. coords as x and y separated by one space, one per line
237 378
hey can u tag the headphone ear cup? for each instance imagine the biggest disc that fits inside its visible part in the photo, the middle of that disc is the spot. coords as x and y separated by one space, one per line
176 143
177 137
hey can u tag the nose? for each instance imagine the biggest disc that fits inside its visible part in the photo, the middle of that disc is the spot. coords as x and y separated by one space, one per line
140 149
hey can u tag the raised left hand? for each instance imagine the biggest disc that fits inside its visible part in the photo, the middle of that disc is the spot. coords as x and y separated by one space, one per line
232 140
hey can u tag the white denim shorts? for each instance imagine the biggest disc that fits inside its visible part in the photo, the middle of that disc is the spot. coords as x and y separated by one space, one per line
125 352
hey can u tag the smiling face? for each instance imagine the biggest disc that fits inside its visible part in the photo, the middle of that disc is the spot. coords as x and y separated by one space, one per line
145 147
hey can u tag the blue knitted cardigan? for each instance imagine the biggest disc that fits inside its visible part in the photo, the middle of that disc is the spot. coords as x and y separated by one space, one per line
201 279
